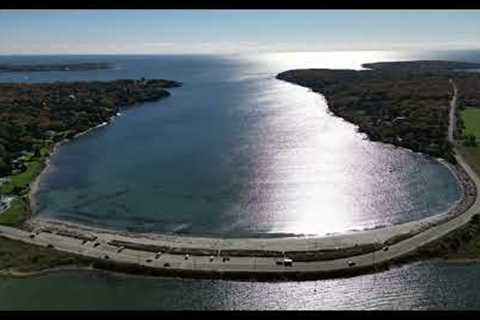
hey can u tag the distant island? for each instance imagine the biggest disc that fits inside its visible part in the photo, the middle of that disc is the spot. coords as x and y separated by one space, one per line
401 103
54 67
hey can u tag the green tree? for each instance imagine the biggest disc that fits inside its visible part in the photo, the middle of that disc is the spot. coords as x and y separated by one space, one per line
4 168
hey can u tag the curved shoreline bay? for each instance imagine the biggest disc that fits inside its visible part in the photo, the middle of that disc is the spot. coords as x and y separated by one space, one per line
237 156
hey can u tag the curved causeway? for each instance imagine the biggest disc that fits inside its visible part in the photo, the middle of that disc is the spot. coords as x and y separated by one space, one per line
255 258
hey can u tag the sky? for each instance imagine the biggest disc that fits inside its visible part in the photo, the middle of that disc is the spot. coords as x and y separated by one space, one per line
233 31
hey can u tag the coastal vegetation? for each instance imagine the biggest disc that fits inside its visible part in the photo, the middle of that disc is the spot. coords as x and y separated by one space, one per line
461 244
21 257
33 117
468 132
405 104
16 214
471 120
421 66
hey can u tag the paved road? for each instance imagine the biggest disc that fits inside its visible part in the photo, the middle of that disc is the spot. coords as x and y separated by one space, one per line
260 264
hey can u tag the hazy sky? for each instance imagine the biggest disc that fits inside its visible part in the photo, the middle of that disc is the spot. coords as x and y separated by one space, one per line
223 31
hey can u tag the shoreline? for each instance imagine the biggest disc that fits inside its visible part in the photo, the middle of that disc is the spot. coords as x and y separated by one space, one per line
34 218
39 222
35 185
143 270
403 240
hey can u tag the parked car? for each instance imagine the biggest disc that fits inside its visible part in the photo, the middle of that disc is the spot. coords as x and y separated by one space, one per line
287 262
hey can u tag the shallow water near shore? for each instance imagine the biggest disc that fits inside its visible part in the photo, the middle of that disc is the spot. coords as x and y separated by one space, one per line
236 152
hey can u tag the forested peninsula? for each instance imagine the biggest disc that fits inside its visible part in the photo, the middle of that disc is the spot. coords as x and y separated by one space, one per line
401 103
34 116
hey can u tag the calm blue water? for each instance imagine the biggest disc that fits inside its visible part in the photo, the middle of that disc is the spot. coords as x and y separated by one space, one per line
234 152
424 286
416 286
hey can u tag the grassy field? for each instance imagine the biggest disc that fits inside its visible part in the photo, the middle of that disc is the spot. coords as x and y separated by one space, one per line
16 214
471 119
19 185
22 180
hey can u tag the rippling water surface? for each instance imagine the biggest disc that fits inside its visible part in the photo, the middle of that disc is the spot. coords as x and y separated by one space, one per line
235 152
423 286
